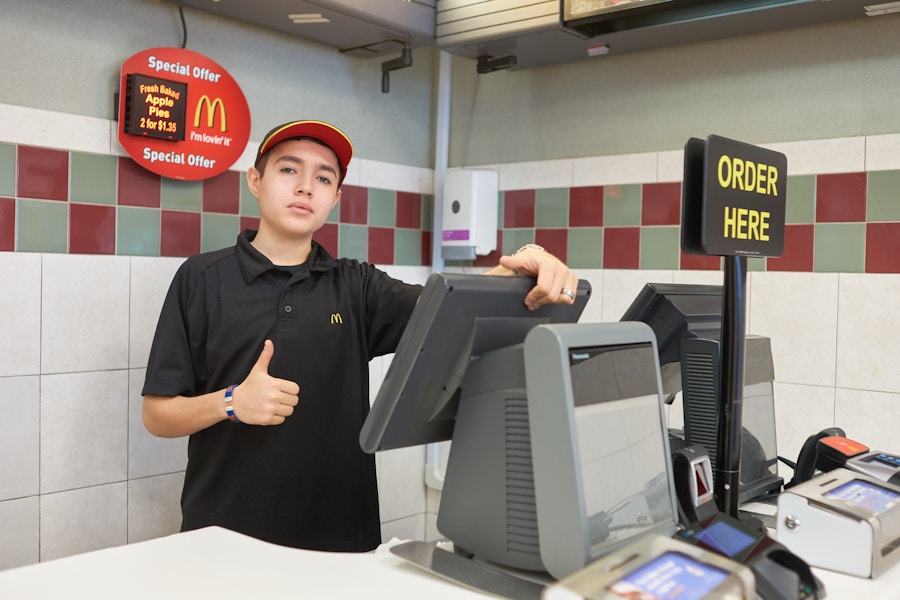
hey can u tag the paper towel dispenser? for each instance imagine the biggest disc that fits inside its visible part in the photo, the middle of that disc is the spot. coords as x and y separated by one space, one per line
469 214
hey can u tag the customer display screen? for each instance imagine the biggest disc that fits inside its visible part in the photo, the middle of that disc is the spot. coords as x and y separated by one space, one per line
866 497
726 539
670 576
619 436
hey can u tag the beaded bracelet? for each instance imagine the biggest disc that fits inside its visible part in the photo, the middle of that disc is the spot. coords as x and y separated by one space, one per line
229 407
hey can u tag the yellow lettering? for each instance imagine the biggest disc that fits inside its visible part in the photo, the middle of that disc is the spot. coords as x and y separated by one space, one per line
723 180
738 170
741 224
749 176
763 226
773 178
761 178
730 223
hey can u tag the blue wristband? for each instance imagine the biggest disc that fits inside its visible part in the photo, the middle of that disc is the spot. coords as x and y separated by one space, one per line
229 407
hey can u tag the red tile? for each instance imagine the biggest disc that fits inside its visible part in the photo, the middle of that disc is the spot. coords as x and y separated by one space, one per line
661 204
492 259
354 205
327 236
137 185
518 208
622 248
180 233
7 224
222 193
426 248
700 262
799 249
250 223
42 173
409 210
586 206
841 198
92 229
381 246
883 248
554 241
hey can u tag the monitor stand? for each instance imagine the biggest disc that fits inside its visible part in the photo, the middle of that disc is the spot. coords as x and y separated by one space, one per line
471 573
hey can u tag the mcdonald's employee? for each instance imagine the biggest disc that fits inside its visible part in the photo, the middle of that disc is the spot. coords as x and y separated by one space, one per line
261 356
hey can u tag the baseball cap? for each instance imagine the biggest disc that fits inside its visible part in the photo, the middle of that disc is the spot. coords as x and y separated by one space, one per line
328 134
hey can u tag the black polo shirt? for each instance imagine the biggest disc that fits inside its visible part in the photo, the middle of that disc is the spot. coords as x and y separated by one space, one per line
305 483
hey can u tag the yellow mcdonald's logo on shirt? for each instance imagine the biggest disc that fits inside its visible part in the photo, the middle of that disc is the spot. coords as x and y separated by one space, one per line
211 106
336 319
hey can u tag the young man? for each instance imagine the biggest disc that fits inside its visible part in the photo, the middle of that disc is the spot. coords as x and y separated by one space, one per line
246 359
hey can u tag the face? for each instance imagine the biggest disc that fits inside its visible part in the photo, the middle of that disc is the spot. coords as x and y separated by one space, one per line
298 189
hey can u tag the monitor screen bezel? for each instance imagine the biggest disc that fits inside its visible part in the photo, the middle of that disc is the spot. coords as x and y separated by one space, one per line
562 522
457 318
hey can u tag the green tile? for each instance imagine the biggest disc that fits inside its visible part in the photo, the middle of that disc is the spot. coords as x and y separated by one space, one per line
42 226
840 248
660 247
513 239
7 170
585 249
801 199
382 208
93 178
249 204
756 263
551 207
353 241
408 247
176 194
137 231
622 205
218 231
335 215
883 196
428 212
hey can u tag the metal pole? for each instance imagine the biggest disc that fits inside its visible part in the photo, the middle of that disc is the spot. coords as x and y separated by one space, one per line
731 386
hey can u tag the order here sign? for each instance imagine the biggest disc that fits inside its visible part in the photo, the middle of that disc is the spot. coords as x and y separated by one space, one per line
181 115
733 198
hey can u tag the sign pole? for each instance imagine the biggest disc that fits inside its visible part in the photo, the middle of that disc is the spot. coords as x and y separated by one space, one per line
727 479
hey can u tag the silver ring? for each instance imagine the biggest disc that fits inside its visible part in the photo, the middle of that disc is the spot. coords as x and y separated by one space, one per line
568 292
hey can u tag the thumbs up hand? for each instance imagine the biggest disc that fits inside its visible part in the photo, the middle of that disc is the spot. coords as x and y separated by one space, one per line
262 399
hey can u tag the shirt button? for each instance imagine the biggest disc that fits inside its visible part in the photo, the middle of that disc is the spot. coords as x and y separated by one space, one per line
287 308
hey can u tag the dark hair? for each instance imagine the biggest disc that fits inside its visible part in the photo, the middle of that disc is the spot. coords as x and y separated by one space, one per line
261 163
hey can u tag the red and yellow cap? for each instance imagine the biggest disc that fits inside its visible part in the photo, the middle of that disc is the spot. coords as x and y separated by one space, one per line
328 134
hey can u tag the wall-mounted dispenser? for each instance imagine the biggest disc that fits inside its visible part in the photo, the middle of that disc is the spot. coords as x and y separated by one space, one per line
469 213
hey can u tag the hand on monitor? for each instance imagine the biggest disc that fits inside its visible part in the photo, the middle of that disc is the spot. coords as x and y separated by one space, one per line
556 283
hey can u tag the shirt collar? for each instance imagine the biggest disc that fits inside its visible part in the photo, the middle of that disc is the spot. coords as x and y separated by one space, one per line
253 263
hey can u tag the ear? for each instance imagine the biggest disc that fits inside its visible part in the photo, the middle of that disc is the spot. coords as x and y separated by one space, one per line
337 198
253 177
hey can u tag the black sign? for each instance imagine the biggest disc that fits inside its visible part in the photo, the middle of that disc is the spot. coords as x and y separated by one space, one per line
733 198
155 107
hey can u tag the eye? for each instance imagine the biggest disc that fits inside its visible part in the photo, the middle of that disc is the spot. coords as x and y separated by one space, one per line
324 179
288 170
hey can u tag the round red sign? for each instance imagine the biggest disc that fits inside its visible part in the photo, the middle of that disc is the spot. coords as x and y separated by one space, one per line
181 115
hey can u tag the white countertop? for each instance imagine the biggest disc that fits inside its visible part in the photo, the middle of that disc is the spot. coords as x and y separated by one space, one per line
218 563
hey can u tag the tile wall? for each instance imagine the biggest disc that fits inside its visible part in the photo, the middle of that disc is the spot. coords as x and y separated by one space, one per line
88 256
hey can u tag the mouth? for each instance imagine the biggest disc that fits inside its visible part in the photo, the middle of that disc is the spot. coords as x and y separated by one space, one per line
300 208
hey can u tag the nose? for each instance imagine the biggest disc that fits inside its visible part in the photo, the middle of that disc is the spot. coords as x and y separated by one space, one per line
304 183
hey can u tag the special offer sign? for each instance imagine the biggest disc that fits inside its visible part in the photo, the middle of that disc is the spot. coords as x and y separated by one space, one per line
181 115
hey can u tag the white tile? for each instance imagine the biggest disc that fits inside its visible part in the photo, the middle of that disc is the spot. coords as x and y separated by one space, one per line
883 152
154 507
20 405
798 312
149 283
407 528
431 531
868 344
20 305
801 411
52 129
83 520
84 429
147 454
20 524
536 175
84 313
835 155
699 277
868 417
615 170
401 483
670 166
388 176
621 287
418 275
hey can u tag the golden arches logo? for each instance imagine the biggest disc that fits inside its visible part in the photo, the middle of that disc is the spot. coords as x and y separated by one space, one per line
211 106
336 319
